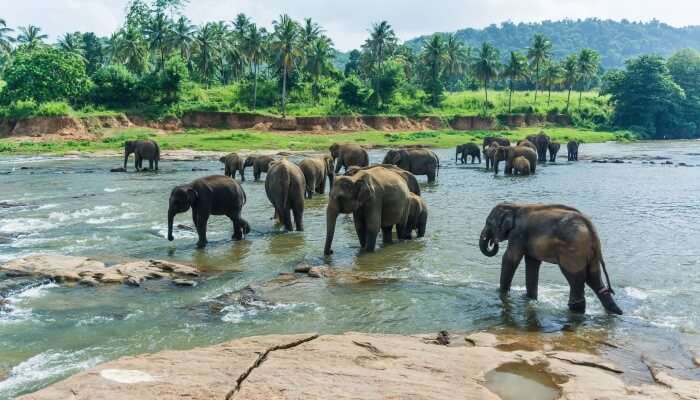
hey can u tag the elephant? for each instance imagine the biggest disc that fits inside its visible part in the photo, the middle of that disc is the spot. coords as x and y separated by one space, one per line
410 179
316 170
501 141
417 218
541 142
489 153
527 143
348 155
378 200
415 161
211 195
553 233
553 150
510 153
233 163
260 164
521 166
142 149
285 186
572 148
468 149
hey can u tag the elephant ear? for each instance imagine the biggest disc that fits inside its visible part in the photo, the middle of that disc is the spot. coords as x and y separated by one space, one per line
396 157
192 196
363 191
507 222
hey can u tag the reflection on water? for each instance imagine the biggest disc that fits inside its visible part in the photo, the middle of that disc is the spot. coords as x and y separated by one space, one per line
646 215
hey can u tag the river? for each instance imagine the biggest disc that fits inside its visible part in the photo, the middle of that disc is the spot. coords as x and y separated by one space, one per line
648 217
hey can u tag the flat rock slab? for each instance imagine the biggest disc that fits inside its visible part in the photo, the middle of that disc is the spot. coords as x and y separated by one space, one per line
91 272
348 366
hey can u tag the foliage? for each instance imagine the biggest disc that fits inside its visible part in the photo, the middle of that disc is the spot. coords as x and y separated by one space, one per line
353 93
23 109
115 86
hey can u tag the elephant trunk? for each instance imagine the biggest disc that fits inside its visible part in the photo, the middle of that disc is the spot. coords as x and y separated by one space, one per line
171 219
126 157
487 244
456 155
331 177
331 217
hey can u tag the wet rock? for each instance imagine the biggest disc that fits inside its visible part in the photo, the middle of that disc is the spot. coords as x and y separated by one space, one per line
302 268
11 204
443 338
600 161
668 162
617 162
195 169
4 306
91 272
120 169
184 282
317 272
682 164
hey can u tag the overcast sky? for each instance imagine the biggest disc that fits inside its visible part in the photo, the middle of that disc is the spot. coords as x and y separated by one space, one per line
347 21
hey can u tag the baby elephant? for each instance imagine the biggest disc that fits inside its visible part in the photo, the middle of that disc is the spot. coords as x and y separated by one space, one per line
211 195
260 164
316 170
142 149
233 163
468 149
417 218
521 166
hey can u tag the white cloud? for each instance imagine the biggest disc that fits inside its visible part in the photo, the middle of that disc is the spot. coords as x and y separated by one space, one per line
347 21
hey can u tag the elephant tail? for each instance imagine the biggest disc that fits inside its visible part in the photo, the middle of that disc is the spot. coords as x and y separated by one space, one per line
157 151
607 278
598 252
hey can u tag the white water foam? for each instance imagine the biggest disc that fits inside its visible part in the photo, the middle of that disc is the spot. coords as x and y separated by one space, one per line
112 190
237 313
17 313
24 225
81 214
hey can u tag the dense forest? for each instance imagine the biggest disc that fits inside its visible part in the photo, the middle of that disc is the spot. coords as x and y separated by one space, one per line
160 64
615 41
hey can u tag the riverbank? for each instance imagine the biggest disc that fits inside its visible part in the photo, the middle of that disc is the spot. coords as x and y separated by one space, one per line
373 366
251 139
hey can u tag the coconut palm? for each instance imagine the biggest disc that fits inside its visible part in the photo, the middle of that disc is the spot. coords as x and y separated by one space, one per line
319 61
5 39
207 51
309 32
286 50
586 66
31 36
158 32
486 67
72 43
381 43
433 58
552 75
132 50
241 25
539 52
570 75
514 70
183 37
255 48
457 57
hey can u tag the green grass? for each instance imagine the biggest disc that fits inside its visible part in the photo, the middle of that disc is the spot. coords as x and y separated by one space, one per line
234 140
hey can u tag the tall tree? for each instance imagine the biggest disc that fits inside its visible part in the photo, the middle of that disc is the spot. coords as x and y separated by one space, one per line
31 36
286 50
72 43
255 47
309 32
433 59
132 50
379 46
486 68
457 57
207 52
183 32
353 64
551 74
319 62
586 67
570 76
539 52
94 52
158 32
514 70
5 39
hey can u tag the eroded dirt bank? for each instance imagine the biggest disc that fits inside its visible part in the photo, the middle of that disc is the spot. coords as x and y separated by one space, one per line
363 366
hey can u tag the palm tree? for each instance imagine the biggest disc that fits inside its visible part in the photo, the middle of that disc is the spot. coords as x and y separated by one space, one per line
433 58
318 62
515 69
208 50
5 39
183 37
552 75
378 47
72 43
31 36
457 57
586 67
540 51
255 48
570 76
309 32
132 50
240 25
158 31
486 67
286 49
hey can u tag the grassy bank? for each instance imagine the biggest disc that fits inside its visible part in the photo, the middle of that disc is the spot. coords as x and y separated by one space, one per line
232 140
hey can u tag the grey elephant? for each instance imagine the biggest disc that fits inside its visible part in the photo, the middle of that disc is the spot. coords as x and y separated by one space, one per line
468 149
142 149
285 185
553 233
410 179
489 153
316 171
553 151
346 155
417 219
521 166
572 149
377 199
508 154
260 164
541 141
233 163
527 143
415 161
501 141
211 195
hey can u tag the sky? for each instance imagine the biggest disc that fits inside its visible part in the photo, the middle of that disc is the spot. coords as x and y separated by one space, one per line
347 21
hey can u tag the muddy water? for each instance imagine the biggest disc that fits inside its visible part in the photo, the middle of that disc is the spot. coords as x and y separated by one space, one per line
647 216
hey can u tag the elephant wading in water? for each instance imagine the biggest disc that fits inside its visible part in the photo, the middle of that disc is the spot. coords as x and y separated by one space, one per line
468 149
378 199
501 141
233 163
285 185
509 154
211 195
553 150
260 164
410 179
527 143
316 170
553 233
521 166
415 161
541 141
347 155
572 148
489 153
417 218
142 149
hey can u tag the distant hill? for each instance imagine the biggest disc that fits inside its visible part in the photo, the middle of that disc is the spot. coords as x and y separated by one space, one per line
616 41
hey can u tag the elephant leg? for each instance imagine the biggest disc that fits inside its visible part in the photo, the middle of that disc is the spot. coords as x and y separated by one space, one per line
201 225
237 225
577 282
387 235
431 176
371 239
509 263
372 227
150 164
360 228
299 217
595 281
286 215
532 274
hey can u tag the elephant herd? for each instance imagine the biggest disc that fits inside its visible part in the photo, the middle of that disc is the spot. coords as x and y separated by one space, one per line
383 197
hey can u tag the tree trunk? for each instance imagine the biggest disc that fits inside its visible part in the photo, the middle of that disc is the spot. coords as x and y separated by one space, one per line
284 89
568 99
537 79
549 94
580 94
510 96
255 87
486 94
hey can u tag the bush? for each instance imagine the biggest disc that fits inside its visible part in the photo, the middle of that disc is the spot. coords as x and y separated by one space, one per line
53 109
267 93
353 93
45 74
19 109
114 85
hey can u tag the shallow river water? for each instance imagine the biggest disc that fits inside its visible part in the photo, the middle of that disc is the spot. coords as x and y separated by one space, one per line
648 217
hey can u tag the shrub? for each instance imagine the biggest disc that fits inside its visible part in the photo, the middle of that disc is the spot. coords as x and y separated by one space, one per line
53 109
353 93
114 85
19 109
267 93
